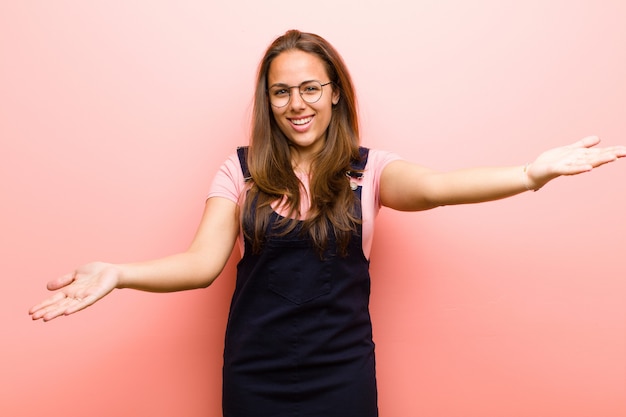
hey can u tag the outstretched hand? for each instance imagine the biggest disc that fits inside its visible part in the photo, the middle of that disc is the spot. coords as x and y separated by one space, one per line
579 157
77 290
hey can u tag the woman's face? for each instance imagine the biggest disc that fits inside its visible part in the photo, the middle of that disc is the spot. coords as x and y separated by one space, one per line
303 123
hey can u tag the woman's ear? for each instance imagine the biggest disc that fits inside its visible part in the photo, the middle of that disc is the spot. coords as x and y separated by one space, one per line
336 97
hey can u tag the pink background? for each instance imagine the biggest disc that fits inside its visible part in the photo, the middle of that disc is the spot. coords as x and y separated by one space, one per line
114 115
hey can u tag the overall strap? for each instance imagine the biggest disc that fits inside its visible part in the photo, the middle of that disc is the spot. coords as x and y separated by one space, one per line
242 153
359 165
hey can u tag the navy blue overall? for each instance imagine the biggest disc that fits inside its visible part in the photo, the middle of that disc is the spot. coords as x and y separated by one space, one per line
299 335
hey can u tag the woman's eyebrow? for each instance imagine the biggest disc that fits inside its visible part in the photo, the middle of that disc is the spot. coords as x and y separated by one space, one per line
287 85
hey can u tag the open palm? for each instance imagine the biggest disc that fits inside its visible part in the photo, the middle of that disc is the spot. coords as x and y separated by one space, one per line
77 290
579 157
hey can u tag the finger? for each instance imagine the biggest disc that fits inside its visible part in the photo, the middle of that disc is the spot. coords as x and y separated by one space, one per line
53 314
604 155
603 159
62 281
60 309
588 141
587 161
55 299
618 151
50 312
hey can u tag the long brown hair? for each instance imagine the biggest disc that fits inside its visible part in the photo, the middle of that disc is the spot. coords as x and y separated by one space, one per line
269 159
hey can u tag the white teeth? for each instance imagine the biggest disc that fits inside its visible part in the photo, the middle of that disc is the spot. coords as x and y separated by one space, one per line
300 122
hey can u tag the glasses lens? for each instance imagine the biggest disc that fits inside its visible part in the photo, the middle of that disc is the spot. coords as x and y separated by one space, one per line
311 91
279 96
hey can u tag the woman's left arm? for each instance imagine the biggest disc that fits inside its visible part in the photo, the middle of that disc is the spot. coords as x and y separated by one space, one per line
409 187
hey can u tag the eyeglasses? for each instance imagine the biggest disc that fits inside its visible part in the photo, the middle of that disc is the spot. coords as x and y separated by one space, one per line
310 91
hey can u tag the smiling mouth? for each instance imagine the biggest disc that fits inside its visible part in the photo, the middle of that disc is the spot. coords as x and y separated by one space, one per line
301 122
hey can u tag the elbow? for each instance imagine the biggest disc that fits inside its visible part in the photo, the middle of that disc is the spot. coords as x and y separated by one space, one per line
209 275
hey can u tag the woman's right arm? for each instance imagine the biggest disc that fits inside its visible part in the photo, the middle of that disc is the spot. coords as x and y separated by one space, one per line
197 267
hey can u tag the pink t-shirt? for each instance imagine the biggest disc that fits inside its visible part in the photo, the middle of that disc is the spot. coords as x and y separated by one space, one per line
229 183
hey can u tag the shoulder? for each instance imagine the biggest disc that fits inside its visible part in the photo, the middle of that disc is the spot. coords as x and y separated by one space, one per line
378 160
229 181
232 169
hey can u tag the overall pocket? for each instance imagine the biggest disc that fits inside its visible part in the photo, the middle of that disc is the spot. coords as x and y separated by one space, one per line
297 273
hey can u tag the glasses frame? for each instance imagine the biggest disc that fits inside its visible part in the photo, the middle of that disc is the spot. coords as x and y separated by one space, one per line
289 88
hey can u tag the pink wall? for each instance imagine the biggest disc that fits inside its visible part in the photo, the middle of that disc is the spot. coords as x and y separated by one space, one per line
115 115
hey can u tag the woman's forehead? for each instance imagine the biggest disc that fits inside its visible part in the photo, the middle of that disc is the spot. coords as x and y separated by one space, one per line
294 67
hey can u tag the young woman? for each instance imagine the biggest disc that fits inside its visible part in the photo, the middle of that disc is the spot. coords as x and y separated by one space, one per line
302 200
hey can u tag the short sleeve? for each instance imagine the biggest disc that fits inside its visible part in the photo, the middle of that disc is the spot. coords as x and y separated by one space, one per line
228 181
370 195
376 163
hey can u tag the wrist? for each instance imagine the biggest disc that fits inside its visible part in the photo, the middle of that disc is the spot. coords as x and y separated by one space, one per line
529 184
123 275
